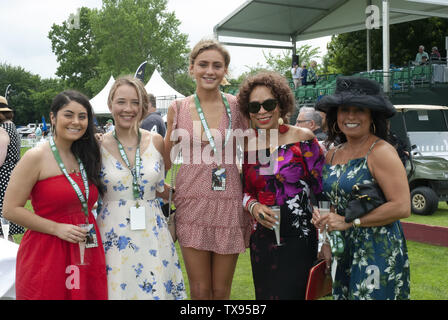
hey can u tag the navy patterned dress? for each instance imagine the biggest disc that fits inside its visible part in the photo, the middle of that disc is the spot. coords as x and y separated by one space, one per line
374 264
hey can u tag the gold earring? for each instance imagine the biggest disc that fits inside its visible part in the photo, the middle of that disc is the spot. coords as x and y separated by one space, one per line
374 128
280 121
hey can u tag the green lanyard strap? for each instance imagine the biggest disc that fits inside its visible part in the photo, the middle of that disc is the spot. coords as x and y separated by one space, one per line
74 185
205 125
136 170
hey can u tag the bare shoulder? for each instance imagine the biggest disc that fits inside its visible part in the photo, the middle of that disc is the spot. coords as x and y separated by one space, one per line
382 150
301 134
157 140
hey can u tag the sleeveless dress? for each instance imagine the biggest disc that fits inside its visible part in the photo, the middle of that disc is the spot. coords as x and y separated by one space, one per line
281 272
12 157
206 219
47 267
374 264
141 264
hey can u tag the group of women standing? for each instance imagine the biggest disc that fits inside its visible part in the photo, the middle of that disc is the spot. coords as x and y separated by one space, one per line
217 216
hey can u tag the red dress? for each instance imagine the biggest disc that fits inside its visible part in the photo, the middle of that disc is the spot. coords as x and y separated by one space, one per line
47 267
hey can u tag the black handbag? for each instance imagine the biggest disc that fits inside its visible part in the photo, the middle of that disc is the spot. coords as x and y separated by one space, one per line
363 199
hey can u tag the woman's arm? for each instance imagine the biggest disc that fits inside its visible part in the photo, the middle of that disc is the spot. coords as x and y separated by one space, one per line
160 146
23 178
387 169
168 144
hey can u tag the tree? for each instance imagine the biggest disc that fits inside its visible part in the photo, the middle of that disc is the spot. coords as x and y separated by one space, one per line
30 97
347 52
282 62
128 32
76 51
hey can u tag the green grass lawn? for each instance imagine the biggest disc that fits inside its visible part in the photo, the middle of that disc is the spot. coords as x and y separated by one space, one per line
429 264
439 218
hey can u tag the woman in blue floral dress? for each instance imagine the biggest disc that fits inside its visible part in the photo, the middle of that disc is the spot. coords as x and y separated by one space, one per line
141 258
288 180
374 262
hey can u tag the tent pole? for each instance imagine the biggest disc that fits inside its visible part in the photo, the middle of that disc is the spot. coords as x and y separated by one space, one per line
386 47
369 61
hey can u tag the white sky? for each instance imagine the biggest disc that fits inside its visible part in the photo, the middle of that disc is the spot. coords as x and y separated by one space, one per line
24 27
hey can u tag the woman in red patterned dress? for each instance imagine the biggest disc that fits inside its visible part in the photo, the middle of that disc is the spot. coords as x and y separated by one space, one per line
282 167
62 180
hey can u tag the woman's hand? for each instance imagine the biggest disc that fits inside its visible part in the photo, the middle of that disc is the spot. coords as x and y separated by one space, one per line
325 254
333 221
70 233
265 216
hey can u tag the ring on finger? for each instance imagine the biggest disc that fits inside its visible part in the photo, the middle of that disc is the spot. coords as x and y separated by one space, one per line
261 215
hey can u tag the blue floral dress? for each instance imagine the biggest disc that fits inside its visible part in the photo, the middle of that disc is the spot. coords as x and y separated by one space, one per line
141 264
374 264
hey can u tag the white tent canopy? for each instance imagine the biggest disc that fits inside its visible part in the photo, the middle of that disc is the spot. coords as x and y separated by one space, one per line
163 92
99 102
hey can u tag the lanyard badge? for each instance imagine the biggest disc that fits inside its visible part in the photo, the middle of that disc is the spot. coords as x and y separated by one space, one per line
74 185
218 174
136 213
134 171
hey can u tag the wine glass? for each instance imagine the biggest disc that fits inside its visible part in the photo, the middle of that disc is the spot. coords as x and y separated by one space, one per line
5 228
276 210
324 209
82 245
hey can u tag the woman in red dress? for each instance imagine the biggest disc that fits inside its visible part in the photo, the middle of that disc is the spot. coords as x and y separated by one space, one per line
62 180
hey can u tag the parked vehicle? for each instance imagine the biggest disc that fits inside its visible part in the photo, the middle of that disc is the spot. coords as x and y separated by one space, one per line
425 129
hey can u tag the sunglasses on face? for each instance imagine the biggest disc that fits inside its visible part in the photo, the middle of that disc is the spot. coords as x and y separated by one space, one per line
268 105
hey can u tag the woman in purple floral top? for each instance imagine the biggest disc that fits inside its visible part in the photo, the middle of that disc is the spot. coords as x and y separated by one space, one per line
282 167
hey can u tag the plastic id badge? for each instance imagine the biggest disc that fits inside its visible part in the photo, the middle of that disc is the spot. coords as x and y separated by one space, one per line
91 239
219 179
138 218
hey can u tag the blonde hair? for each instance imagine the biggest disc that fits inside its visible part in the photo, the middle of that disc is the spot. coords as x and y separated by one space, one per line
209 44
143 99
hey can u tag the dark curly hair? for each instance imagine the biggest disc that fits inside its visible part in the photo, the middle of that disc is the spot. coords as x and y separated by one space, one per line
279 87
86 148
335 135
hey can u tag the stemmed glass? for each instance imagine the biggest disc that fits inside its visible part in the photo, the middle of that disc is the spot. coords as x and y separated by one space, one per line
82 245
324 209
5 228
276 210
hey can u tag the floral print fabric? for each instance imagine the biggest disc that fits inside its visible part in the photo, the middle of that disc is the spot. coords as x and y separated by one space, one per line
374 264
281 272
141 264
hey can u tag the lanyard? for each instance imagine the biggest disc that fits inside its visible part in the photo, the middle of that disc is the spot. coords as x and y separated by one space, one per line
205 125
136 171
75 186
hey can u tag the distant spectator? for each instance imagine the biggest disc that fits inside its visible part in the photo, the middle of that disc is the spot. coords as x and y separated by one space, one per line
110 125
296 72
312 77
153 121
38 133
311 119
421 53
424 61
435 54
304 74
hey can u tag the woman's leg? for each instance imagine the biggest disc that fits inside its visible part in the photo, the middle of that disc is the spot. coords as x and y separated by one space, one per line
223 268
198 264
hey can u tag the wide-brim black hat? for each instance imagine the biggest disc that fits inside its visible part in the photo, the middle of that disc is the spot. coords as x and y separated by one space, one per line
358 92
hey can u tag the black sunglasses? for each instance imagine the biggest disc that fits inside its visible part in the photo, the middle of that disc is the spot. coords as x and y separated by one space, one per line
268 105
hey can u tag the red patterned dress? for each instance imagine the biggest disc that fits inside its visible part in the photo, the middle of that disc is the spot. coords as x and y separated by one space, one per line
281 272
